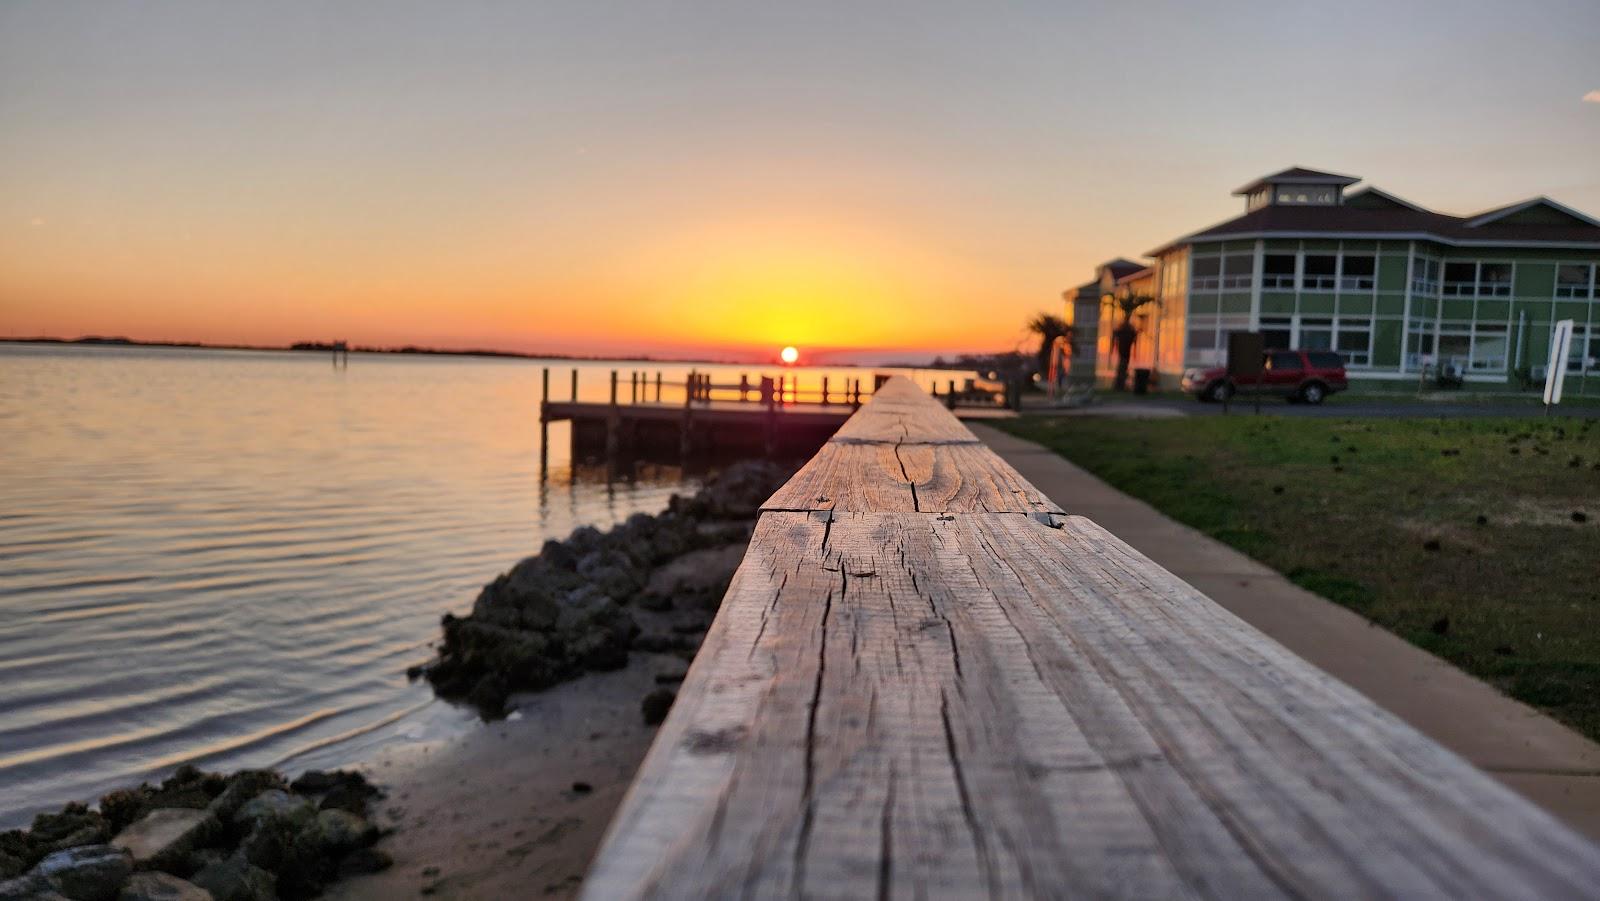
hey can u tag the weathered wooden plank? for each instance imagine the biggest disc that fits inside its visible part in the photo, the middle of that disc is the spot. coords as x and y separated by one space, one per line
901 413
917 691
903 425
928 478
926 704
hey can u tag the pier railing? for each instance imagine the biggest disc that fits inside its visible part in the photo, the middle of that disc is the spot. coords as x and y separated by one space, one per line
786 389
780 414
642 387
928 680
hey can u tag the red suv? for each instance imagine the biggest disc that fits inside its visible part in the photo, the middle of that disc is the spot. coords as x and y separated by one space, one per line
1298 375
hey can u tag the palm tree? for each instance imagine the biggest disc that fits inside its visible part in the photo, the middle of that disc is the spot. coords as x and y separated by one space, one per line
1048 327
1123 336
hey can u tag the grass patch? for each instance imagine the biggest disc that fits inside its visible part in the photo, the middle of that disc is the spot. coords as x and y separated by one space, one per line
1475 539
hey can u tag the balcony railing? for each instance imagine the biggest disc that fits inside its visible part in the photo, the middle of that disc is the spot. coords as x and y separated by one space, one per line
1477 289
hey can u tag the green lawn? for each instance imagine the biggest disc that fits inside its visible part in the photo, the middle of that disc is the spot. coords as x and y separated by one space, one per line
1461 536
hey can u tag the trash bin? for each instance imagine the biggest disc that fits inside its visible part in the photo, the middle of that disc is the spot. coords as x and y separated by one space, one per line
1141 381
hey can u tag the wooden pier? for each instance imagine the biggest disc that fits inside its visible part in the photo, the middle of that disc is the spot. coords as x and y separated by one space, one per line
645 416
928 680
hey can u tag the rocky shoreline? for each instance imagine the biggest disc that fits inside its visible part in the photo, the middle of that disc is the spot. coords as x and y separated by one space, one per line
650 585
248 836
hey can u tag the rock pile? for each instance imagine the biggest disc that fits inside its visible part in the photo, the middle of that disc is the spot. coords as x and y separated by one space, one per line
249 836
650 584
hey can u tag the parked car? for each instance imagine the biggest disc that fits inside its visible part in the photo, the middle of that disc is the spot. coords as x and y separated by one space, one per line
1297 375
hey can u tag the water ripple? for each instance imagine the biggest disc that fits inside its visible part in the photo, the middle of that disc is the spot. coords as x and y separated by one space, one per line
230 557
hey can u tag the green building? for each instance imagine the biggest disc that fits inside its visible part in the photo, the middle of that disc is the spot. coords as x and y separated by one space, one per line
1395 288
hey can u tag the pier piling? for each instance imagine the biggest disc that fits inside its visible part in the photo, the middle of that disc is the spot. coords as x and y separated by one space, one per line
613 422
769 424
544 423
686 427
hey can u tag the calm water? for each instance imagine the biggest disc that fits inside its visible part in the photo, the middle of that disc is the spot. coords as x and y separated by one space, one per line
231 557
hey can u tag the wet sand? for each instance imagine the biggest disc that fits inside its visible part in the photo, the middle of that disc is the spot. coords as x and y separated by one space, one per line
498 812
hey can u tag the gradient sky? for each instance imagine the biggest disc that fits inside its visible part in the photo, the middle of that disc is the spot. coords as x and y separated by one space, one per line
861 179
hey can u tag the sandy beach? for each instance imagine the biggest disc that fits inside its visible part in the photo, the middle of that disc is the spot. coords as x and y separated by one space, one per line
514 808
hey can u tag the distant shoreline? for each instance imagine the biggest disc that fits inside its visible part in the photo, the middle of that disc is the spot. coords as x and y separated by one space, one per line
417 350
326 347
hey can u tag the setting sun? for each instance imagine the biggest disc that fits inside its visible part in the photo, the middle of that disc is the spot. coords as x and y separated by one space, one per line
789 355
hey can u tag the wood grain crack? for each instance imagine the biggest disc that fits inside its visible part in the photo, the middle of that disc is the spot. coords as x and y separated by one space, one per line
809 785
886 839
985 862
916 506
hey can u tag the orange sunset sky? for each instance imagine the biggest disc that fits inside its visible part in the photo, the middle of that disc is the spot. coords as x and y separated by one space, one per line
866 181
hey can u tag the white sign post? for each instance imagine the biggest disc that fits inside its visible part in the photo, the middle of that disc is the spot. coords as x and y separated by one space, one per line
1556 372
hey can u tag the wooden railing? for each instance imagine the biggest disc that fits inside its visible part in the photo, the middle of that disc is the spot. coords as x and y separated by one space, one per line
788 389
926 680
640 387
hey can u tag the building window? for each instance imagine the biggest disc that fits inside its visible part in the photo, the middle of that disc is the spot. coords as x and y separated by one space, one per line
1494 279
1238 270
1208 338
1419 344
1460 279
1321 272
1316 334
1574 280
1578 353
1277 332
1306 195
1455 346
1424 276
1591 357
1477 280
1207 273
1277 271
1354 341
1473 347
1358 274
1489 346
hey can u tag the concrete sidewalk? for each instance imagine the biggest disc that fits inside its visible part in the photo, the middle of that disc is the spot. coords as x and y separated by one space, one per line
1528 751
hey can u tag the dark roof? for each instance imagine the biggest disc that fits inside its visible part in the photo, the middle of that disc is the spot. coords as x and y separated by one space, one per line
1139 273
1121 268
1392 220
1372 197
1301 175
1536 210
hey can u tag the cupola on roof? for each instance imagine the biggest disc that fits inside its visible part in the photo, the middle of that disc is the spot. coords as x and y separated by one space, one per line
1298 175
